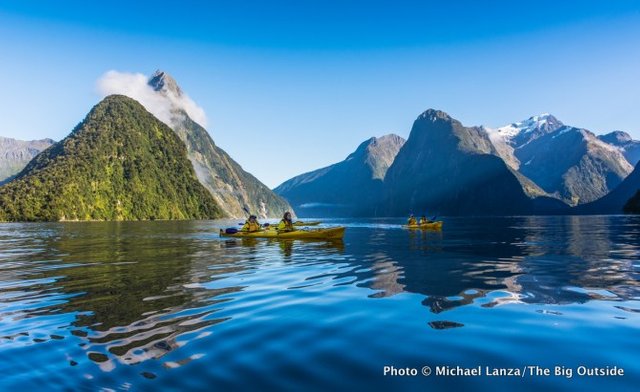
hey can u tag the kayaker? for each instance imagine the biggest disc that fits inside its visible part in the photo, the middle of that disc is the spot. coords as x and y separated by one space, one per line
251 225
286 224
412 220
424 220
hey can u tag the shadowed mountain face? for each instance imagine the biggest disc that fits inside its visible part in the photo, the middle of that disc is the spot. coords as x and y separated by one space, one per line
233 188
15 154
120 163
624 198
350 187
446 168
632 206
568 163
628 147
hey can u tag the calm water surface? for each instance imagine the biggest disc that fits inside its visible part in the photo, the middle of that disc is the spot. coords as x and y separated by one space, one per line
169 305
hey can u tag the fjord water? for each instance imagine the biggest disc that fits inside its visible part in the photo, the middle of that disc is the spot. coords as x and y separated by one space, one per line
170 305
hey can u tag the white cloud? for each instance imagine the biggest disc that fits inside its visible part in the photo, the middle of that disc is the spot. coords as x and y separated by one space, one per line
134 85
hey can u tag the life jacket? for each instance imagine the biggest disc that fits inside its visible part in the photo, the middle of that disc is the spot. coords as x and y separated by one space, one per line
251 226
424 221
285 225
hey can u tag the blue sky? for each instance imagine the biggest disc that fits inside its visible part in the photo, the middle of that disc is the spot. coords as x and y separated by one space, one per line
289 87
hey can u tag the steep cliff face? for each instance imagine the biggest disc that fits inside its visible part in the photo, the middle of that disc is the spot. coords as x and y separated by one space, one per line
350 187
234 189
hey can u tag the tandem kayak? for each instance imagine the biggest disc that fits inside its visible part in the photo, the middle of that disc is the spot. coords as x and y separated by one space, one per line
426 226
333 233
311 223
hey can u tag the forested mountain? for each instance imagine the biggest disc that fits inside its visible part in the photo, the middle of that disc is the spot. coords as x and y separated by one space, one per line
120 163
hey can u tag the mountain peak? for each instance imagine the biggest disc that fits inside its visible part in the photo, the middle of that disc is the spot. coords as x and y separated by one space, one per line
531 128
163 82
616 137
434 115
391 138
543 120
374 145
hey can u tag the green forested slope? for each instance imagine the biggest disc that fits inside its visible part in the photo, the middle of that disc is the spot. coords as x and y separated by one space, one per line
120 163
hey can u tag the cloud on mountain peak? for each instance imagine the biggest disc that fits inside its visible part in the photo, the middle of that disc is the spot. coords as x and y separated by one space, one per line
161 104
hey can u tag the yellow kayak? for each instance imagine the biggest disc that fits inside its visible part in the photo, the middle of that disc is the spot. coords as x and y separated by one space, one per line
311 223
426 226
332 233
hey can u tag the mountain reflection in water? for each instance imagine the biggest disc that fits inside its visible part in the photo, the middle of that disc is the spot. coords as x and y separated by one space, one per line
91 305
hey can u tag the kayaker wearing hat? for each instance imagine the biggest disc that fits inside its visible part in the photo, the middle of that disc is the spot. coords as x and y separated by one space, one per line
286 224
251 225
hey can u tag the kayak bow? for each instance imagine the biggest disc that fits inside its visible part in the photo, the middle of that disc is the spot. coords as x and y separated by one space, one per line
310 223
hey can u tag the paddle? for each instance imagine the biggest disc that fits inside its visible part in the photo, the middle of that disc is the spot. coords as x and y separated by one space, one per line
245 209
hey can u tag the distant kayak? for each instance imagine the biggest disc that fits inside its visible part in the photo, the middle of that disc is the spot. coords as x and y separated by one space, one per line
426 226
310 223
333 233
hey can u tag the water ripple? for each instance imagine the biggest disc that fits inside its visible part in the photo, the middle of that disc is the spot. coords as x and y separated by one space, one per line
150 305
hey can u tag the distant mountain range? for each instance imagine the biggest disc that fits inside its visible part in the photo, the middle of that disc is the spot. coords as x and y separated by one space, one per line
113 164
538 165
15 154
120 163
348 187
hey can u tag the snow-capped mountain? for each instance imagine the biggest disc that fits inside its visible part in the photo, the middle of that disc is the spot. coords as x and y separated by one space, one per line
568 162
508 138
530 129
